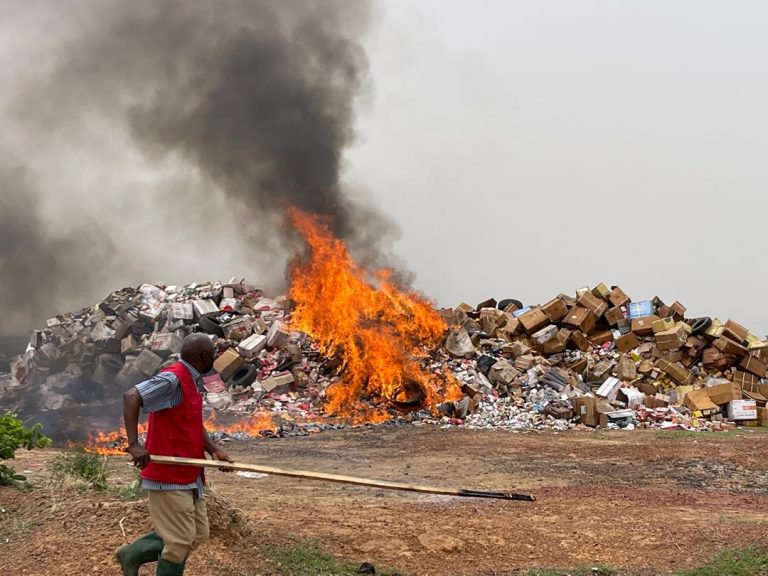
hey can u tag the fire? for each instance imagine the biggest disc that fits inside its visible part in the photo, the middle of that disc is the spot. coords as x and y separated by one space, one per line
378 331
110 443
258 422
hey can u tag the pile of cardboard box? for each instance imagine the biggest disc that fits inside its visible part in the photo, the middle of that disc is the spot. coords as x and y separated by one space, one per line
596 358
599 358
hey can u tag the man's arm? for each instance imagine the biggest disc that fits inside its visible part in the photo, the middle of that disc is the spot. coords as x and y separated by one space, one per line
131 407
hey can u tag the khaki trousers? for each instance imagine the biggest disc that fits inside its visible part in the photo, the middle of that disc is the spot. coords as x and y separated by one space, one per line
180 519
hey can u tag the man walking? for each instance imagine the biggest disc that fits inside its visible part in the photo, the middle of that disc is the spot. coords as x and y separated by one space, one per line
173 399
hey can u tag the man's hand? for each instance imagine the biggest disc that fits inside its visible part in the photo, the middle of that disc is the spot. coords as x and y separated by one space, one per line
219 454
139 454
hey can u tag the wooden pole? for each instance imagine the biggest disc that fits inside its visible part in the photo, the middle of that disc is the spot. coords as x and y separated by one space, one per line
274 471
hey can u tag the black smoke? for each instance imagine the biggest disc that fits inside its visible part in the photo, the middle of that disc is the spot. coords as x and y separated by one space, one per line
257 98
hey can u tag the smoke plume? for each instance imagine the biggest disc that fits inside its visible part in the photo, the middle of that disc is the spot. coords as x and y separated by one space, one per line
170 136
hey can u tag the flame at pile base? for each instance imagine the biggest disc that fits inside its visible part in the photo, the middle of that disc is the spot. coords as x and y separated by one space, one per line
380 333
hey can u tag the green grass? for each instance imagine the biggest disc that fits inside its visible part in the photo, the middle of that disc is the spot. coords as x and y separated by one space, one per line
307 559
591 571
89 468
746 562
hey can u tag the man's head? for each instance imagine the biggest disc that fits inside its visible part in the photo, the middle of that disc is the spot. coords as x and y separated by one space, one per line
197 350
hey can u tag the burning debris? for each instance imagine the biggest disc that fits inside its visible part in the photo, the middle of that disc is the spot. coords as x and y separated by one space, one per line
349 348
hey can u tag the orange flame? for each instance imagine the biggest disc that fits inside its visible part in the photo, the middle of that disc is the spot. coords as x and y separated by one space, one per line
110 443
378 331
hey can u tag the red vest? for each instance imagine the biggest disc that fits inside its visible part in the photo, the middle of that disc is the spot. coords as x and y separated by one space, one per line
177 431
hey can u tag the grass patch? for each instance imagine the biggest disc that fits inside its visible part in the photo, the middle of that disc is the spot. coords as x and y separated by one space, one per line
130 491
746 562
307 559
90 469
586 571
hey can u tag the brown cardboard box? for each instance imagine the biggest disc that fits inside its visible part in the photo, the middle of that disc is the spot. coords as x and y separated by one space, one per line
660 401
728 346
644 326
617 297
671 339
580 340
596 305
626 369
700 400
580 365
580 318
614 315
671 355
601 337
558 343
555 309
676 371
585 408
762 417
663 324
744 379
678 311
713 359
736 331
695 345
534 320
754 365
721 394
228 363
627 342
601 291
647 388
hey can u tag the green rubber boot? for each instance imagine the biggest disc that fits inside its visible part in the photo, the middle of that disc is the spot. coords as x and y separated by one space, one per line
145 549
165 568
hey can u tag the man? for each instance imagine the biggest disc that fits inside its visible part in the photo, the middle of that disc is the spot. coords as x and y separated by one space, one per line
174 401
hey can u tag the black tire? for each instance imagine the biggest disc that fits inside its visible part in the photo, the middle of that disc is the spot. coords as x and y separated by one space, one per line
209 325
112 364
507 301
243 377
700 325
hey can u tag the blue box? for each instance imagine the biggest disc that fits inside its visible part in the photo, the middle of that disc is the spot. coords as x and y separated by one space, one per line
518 313
640 309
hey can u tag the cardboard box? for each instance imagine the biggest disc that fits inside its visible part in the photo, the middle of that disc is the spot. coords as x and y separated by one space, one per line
762 417
640 309
279 383
581 341
754 365
585 409
678 311
601 291
614 315
203 307
699 400
656 401
580 318
558 343
676 371
663 324
252 346
596 305
721 394
728 346
627 342
228 363
555 309
601 337
630 396
277 335
671 339
617 297
626 369
147 362
744 379
742 410
533 320
643 326
735 331
609 389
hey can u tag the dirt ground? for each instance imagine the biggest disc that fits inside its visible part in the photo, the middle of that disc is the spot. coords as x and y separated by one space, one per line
647 502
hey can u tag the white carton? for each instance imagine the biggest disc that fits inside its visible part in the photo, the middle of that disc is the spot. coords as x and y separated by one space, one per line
742 410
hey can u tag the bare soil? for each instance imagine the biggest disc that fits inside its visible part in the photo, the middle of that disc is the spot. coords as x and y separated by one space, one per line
645 502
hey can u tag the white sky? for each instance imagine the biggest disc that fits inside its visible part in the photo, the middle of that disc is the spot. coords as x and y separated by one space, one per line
530 148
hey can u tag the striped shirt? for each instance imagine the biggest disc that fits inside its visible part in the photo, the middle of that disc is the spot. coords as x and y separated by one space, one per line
161 392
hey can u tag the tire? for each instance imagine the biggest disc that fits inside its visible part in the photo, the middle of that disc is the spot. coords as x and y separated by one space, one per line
700 325
243 377
111 364
210 326
507 301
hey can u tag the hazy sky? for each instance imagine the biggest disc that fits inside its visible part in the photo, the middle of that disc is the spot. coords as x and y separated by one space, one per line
523 148
530 148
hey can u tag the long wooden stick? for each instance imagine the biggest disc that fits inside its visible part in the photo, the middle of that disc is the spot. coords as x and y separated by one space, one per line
339 478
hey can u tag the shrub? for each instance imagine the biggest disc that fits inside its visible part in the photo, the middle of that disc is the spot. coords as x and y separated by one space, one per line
14 435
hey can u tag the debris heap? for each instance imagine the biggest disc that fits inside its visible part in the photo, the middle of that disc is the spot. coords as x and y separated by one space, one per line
596 358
